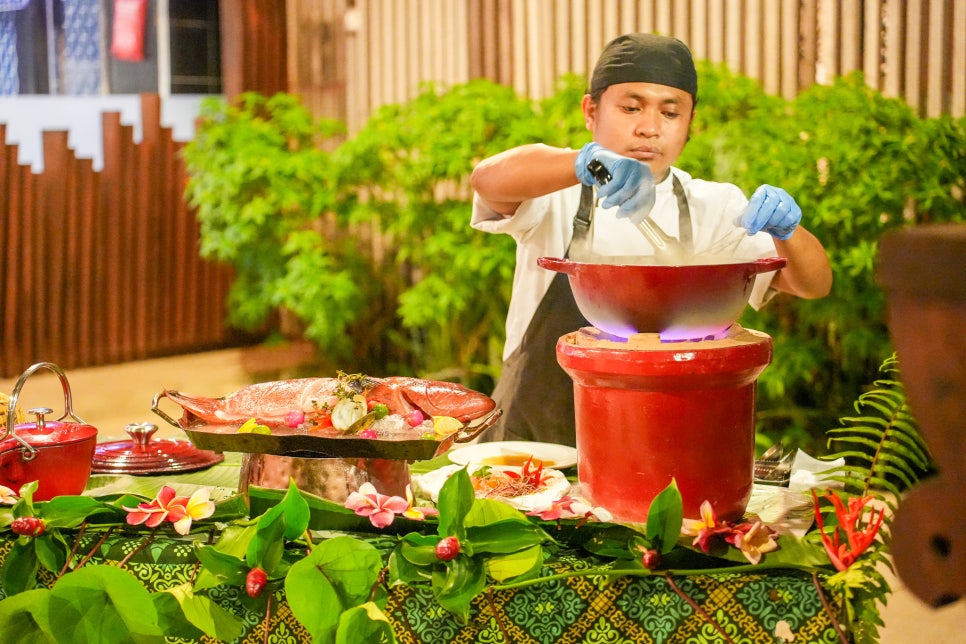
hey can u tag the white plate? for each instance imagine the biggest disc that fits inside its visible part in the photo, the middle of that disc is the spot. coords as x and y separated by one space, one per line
515 453
556 485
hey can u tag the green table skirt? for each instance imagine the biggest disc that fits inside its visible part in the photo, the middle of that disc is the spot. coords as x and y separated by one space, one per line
772 606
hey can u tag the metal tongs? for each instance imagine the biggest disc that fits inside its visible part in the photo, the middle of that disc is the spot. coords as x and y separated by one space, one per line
774 466
667 249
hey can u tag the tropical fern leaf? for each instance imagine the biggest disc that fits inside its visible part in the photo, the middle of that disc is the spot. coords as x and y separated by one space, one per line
885 455
882 445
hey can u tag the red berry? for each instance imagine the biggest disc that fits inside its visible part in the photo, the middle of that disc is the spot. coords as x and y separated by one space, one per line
28 526
294 418
415 418
255 582
447 548
651 559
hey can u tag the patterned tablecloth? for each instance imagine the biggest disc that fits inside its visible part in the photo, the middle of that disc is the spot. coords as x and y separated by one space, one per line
774 606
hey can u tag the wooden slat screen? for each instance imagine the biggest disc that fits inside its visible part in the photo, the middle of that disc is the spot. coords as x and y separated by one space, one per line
914 49
103 267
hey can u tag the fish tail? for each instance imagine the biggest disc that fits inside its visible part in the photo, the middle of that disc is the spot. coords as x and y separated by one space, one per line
197 409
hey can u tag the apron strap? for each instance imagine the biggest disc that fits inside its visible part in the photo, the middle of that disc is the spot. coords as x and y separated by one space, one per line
584 219
685 234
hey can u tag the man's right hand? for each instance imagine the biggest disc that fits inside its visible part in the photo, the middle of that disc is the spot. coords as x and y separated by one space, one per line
623 182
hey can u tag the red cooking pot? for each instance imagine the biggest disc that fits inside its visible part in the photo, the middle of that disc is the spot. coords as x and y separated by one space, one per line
56 454
688 302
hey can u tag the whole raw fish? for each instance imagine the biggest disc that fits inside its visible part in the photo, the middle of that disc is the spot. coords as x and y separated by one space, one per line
270 402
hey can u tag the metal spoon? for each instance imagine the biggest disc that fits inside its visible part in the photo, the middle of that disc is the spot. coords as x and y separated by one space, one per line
667 249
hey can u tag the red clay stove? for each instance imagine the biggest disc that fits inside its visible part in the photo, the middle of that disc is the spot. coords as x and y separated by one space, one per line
648 412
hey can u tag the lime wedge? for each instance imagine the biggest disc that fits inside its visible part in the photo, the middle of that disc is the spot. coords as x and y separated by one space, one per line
251 426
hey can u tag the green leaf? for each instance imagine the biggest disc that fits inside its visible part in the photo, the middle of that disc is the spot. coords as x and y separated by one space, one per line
664 518
26 495
52 551
70 511
294 512
234 507
234 541
607 539
456 586
419 549
505 536
455 500
338 574
19 572
102 603
323 514
404 571
266 547
25 618
228 568
236 538
521 563
486 511
364 624
171 618
206 615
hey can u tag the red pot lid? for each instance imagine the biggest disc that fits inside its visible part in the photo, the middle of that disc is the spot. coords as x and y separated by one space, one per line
144 455
49 433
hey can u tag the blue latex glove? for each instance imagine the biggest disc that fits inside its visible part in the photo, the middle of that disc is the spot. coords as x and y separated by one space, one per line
772 210
623 182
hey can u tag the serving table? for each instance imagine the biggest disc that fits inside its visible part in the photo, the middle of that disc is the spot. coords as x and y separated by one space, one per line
773 605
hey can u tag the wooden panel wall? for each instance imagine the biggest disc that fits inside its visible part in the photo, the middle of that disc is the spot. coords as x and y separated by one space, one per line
103 267
316 53
914 49
253 46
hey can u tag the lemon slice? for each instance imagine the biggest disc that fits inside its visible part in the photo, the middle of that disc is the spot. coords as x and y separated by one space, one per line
446 425
251 426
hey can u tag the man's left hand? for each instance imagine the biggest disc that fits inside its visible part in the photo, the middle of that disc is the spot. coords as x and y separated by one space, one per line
772 210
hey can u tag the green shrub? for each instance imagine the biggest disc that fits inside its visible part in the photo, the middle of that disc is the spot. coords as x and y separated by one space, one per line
370 244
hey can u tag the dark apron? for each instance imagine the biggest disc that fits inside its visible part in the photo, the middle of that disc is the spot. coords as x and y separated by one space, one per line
535 393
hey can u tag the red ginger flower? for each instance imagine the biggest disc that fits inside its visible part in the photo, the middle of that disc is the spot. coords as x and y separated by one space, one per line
843 553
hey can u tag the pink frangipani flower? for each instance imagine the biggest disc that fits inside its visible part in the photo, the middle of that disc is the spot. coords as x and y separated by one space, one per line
753 540
567 507
154 513
413 512
705 528
168 506
380 509
198 507
8 496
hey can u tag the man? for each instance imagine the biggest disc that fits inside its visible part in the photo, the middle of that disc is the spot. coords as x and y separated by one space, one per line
640 107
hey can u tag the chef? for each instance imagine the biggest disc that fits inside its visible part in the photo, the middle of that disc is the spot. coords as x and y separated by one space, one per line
639 109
